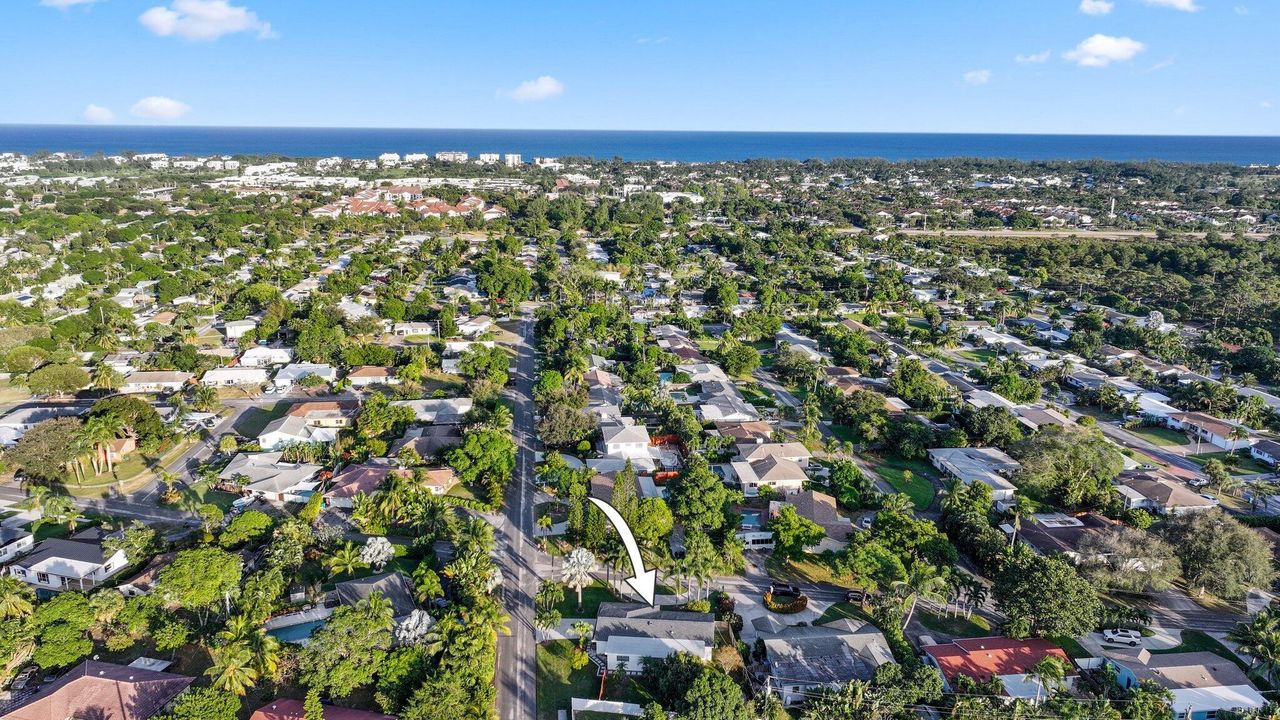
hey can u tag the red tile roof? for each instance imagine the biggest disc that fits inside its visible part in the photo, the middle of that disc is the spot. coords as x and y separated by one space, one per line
103 691
982 658
290 709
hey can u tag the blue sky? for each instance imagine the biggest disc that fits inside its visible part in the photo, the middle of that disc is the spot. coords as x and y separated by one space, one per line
1039 66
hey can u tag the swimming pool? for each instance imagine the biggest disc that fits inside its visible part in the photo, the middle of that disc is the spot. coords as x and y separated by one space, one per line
296 633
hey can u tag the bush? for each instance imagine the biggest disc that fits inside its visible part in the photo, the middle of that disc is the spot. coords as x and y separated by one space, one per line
700 605
786 607
247 526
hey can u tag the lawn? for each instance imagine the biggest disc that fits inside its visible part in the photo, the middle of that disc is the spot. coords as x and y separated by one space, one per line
558 682
592 596
1244 464
920 487
10 393
252 421
1073 649
842 611
801 570
201 493
756 396
956 627
978 355
1163 436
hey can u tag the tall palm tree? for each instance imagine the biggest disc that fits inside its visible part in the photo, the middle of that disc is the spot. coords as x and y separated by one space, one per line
238 628
896 504
265 649
1048 674
921 582
577 569
345 559
233 669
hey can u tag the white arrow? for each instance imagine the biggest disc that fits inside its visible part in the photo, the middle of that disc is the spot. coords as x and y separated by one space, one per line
642 581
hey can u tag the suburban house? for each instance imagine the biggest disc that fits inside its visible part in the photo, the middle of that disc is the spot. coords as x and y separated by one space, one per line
744 433
723 402
16 424
820 508
354 479
236 329
439 481
367 375
155 381
793 451
291 430
987 465
1010 660
221 377
428 442
79 562
1160 493
269 478
103 691
325 414
1203 684
803 660
443 411
13 542
1058 533
625 440
409 329
112 452
1267 451
702 372
627 633
263 356
394 587
145 581
291 709
295 372
1207 428
783 475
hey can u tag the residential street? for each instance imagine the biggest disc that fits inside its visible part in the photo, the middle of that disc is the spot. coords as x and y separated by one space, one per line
516 550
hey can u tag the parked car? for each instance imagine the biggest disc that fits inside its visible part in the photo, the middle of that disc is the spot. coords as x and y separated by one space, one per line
784 589
857 596
1121 636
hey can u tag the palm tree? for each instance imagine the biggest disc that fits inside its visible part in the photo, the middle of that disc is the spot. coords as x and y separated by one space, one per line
577 569
500 417
238 628
233 669
265 649
58 509
488 614
345 560
1260 640
1021 506
15 598
427 583
1048 674
896 504
921 582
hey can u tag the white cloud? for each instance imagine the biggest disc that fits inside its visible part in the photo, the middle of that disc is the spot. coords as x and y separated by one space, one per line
652 41
97 114
1183 5
1096 7
1102 50
977 77
1242 9
203 20
541 88
1033 58
1265 104
64 4
158 107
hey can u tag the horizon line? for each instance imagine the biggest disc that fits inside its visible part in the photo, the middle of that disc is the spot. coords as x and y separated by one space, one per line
143 126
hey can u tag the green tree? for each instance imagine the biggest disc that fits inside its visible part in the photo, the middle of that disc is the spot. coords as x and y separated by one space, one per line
57 379
1219 554
206 703
347 651
792 533
698 496
1044 596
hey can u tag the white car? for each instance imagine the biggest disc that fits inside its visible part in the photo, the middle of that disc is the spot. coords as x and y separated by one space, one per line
1120 636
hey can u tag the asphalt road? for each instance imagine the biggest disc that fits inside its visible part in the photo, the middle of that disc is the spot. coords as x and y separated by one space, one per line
517 653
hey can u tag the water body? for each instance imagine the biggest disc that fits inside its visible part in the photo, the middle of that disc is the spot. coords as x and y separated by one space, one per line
633 145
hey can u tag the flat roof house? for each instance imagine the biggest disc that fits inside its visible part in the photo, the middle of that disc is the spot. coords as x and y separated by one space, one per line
223 377
987 465
295 372
438 410
263 356
155 381
79 562
367 375
103 691
627 633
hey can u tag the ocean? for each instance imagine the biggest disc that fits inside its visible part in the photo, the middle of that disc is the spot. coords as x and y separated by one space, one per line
633 145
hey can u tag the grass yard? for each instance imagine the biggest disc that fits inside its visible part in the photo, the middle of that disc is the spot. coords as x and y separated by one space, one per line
558 682
756 396
1162 436
978 355
592 596
1243 464
842 611
252 421
201 493
956 627
1073 649
802 570
10 393
920 487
